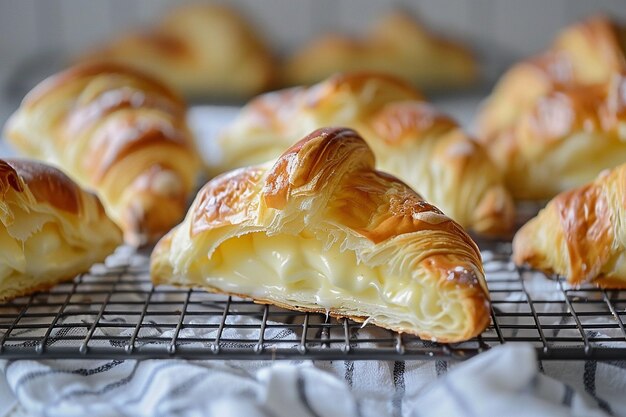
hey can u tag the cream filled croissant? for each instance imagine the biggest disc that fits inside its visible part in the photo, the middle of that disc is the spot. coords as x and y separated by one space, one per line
397 45
320 230
580 234
202 50
411 140
555 121
118 132
51 229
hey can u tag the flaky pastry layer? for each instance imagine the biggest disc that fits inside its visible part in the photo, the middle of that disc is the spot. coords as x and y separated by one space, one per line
320 230
410 138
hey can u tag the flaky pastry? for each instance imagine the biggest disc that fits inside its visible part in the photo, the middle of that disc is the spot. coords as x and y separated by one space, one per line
580 234
202 50
396 45
51 229
118 132
556 120
320 230
411 140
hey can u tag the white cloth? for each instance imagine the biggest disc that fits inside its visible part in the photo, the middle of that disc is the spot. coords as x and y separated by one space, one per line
503 381
7 399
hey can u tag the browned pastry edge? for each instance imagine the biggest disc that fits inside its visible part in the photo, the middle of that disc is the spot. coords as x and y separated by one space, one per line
46 183
10 178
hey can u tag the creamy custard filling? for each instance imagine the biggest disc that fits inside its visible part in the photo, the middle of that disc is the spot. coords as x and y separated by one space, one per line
47 256
50 251
299 271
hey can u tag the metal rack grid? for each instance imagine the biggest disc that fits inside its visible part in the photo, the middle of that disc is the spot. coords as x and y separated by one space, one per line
115 312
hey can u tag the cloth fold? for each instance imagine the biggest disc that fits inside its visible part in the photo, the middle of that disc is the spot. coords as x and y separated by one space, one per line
502 381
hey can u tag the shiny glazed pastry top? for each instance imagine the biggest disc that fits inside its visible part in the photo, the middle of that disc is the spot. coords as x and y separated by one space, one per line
410 138
320 230
201 50
555 121
118 132
580 234
397 45
51 230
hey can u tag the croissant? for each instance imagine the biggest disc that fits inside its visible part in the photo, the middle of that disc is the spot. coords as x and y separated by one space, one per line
411 140
396 45
118 132
51 230
201 50
321 230
555 121
580 234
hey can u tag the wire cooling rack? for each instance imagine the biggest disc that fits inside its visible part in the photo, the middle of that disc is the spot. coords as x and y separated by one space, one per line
114 312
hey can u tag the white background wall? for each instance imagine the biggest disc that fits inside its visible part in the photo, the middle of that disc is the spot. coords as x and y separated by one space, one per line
500 30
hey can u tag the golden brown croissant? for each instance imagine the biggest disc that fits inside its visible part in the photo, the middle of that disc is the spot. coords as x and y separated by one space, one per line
580 234
51 230
555 121
321 230
201 50
118 132
411 140
395 45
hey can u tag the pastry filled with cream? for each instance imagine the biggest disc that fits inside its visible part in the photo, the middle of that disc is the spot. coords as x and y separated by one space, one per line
321 230
50 229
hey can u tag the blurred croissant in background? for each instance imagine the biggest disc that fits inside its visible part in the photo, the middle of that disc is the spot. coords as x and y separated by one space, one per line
556 120
396 44
118 132
203 50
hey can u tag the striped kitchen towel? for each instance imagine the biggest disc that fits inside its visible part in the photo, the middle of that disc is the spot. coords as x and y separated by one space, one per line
505 381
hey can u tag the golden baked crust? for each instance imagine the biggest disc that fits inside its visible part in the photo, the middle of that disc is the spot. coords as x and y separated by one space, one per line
397 45
579 234
202 50
410 138
118 132
556 120
51 229
320 229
